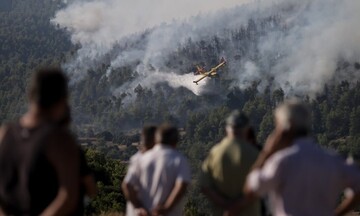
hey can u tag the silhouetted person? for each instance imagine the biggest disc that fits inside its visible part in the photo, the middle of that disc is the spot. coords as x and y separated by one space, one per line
87 185
300 177
88 188
162 177
39 158
251 138
225 169
147 142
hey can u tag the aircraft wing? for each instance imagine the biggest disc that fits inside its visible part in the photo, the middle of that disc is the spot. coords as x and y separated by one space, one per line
201 78
219 66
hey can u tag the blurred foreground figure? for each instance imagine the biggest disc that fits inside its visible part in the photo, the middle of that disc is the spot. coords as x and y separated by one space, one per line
147 142
162 177
87 186
300 177
88 189
224 171
39 158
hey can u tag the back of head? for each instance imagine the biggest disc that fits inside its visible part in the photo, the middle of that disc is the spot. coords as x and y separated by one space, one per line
237 119
293 114
148 136
167 134
48 87
236 123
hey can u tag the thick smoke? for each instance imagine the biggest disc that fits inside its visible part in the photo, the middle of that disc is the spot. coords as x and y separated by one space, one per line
300 56
322 33
174 80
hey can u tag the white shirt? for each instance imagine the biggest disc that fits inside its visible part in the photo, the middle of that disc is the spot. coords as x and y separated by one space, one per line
303 180
156 174
130 210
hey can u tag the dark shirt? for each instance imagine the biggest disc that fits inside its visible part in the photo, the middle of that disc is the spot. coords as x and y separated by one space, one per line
28 181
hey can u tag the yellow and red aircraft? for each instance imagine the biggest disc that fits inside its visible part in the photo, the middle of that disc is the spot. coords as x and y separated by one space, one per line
211 73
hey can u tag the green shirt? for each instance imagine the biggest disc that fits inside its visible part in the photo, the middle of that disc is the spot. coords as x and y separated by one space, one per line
225 171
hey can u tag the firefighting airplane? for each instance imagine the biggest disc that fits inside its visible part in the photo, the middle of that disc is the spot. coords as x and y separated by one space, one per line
211 73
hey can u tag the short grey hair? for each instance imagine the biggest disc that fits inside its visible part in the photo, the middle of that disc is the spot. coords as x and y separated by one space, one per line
237 119
293 113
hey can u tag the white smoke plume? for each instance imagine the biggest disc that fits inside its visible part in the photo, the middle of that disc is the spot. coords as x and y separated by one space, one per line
323 32
301 57
174 80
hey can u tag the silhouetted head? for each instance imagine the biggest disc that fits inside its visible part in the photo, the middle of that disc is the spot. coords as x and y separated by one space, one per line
237 125
49 93
251 136
147 139
66 120
168 135
293 116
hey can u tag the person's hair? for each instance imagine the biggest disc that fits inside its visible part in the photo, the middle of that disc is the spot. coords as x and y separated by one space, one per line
148 132
237 119
48 86
167 134
294 114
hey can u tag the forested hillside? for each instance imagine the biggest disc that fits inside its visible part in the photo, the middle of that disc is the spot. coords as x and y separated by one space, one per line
28 41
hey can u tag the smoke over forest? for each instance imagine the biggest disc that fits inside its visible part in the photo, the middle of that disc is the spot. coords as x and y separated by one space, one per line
298 46
131 63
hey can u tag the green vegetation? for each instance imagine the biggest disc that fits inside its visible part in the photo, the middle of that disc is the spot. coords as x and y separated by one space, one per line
29 41
108 173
